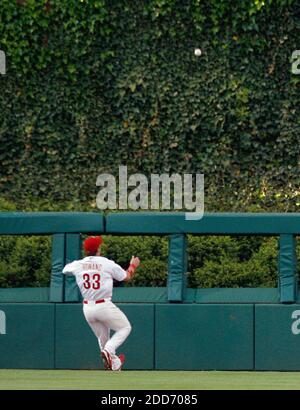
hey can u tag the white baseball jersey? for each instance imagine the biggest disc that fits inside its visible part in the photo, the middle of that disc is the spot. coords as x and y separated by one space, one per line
94 276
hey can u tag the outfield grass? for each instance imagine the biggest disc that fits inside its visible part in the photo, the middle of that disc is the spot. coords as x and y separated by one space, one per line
151 380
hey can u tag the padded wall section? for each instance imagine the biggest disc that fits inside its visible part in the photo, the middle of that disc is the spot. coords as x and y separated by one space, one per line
211 223
287 261
207 337
23 295
236 295
73 252
277 342
139 295
45 223
28 337
177 267
57 265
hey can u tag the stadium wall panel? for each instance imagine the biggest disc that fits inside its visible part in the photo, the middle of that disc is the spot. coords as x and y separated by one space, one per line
277 341
164 223
27 336
46 223
24 295
170 336
204 337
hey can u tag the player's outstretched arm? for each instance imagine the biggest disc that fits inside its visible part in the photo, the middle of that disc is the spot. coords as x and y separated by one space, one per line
134 263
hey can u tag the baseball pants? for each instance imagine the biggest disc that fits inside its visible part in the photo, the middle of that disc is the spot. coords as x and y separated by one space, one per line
105 316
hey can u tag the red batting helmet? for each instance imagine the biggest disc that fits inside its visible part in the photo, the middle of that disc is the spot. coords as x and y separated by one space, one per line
91 244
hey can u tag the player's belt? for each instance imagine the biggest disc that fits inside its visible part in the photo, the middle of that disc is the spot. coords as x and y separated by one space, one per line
96 301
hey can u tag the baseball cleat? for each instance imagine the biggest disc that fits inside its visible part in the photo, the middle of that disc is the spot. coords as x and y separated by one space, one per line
106 360
122 360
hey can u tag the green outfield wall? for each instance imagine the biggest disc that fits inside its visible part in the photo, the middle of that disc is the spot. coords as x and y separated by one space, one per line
206 337
186 336
27 335
174 327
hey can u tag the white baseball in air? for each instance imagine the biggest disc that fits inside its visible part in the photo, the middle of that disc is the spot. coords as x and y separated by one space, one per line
197 52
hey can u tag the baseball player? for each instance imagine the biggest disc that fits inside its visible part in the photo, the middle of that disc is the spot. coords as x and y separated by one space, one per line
94 276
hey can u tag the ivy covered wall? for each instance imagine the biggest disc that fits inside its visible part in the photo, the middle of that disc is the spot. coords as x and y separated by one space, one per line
91 85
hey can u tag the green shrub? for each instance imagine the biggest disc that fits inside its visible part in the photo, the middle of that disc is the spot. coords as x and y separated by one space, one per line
122 248
212 248
25 261
225 271
152 272
153 252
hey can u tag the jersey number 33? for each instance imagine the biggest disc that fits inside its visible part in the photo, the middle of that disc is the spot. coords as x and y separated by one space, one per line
91 281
